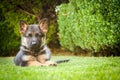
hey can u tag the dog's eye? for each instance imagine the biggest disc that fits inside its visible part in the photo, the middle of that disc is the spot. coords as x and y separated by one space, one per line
37 35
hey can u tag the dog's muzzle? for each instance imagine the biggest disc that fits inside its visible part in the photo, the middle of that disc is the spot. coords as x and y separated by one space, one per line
35 45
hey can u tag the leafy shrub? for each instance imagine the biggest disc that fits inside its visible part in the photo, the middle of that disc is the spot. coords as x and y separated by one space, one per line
89 24
52 37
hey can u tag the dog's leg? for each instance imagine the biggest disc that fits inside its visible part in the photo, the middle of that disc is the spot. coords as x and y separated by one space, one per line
34 63
51 63
45 61
31 60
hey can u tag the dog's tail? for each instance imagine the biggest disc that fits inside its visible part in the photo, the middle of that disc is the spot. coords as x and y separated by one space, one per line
62 61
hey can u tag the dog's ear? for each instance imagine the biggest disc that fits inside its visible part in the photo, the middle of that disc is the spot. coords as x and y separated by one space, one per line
23 26
44 25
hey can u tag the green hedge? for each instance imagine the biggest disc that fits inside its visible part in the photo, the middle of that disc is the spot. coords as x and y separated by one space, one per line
89 24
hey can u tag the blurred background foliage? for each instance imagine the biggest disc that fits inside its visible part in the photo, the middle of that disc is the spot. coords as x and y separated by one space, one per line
92 26
31 11
83 26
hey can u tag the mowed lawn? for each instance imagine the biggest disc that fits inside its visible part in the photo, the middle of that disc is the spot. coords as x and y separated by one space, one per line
78 68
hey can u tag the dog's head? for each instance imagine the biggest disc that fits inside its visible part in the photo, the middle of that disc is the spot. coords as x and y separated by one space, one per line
33 35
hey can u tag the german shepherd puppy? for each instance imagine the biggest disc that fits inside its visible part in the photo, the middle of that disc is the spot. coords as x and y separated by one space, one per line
33 50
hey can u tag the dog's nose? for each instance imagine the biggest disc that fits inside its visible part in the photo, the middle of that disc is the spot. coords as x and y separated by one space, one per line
34 43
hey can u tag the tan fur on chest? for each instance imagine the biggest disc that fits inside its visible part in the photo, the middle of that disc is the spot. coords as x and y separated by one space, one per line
37 61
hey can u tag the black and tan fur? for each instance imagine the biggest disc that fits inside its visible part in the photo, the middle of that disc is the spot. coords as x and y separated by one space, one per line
33 50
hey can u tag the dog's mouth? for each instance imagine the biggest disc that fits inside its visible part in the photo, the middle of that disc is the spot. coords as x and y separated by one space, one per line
35 49
35 46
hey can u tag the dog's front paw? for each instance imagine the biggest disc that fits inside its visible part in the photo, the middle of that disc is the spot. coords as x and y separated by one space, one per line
50 63
53 64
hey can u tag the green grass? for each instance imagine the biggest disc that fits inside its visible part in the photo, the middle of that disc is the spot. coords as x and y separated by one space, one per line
79 68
